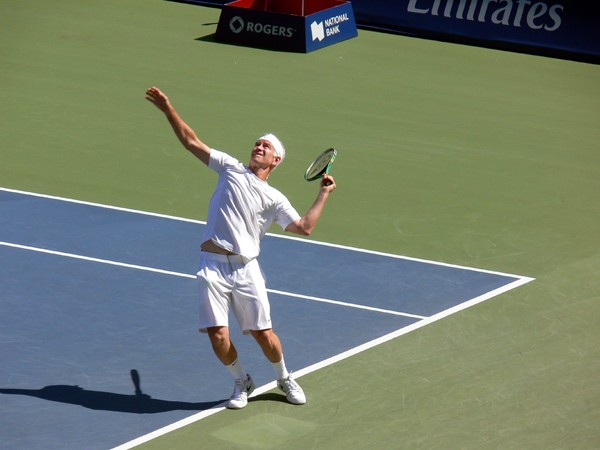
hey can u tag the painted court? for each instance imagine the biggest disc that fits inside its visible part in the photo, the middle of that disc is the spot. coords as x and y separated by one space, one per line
459 169
95 293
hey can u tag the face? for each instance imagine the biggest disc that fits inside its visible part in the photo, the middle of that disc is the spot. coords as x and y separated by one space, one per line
263 155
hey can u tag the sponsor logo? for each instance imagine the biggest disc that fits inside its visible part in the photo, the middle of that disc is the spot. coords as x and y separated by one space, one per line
327 27
237 25
317 30
536 15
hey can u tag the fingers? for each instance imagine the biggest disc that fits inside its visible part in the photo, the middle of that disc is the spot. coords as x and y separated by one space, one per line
152 93
155 96
328 182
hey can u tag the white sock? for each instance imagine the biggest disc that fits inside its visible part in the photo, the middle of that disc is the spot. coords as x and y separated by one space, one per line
236 369
280 369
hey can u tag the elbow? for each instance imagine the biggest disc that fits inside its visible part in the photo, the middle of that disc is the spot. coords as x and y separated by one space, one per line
300 229
307 229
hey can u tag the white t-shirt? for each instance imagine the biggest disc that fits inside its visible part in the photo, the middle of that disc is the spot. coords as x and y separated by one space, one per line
243 207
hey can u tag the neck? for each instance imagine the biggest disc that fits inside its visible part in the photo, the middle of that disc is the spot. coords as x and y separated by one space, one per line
261 172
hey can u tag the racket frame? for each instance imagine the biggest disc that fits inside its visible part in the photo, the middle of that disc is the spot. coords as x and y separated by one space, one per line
326 168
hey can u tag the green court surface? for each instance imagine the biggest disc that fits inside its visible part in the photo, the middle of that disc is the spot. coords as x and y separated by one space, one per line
451 153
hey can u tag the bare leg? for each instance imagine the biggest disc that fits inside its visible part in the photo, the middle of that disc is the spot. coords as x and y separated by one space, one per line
222 345
271 347
227 354
269 343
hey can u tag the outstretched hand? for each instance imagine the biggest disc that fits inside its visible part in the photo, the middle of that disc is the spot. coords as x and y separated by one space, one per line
155 96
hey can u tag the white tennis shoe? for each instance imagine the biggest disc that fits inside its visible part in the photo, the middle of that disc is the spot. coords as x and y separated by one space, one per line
292 390
241 390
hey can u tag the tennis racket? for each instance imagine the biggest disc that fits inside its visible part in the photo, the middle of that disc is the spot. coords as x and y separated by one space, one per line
321 165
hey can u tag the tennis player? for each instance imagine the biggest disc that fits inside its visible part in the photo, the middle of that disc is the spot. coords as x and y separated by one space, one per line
241 209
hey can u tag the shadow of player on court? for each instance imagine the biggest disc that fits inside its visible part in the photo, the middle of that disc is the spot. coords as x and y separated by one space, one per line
138 403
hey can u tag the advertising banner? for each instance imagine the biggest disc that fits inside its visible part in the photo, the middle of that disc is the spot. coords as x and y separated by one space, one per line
560 28
288 26
565 26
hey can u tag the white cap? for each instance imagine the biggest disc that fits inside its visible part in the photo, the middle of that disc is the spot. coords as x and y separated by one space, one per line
277 145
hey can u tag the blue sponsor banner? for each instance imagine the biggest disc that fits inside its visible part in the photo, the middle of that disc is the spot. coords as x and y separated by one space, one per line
566 26
555 27
330 26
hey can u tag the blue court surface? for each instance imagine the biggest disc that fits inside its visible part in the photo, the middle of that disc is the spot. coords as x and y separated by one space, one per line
93 295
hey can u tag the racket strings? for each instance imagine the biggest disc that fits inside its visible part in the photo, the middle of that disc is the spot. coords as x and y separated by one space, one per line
320 165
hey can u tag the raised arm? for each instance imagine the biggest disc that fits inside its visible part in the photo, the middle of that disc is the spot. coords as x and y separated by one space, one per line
184 133
306 224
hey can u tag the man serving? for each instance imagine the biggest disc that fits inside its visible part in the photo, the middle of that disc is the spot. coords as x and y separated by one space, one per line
241 209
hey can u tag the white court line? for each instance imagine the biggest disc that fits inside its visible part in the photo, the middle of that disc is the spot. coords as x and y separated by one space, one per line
327 362
100 205
97 260
185 275
351 305
279 236
519 281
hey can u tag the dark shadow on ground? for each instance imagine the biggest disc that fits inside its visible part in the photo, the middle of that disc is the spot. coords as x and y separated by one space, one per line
139 403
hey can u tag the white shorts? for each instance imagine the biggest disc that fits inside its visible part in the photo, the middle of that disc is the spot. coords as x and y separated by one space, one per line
228 283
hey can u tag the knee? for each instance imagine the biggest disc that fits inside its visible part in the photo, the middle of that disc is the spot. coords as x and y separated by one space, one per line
265 338
218 335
